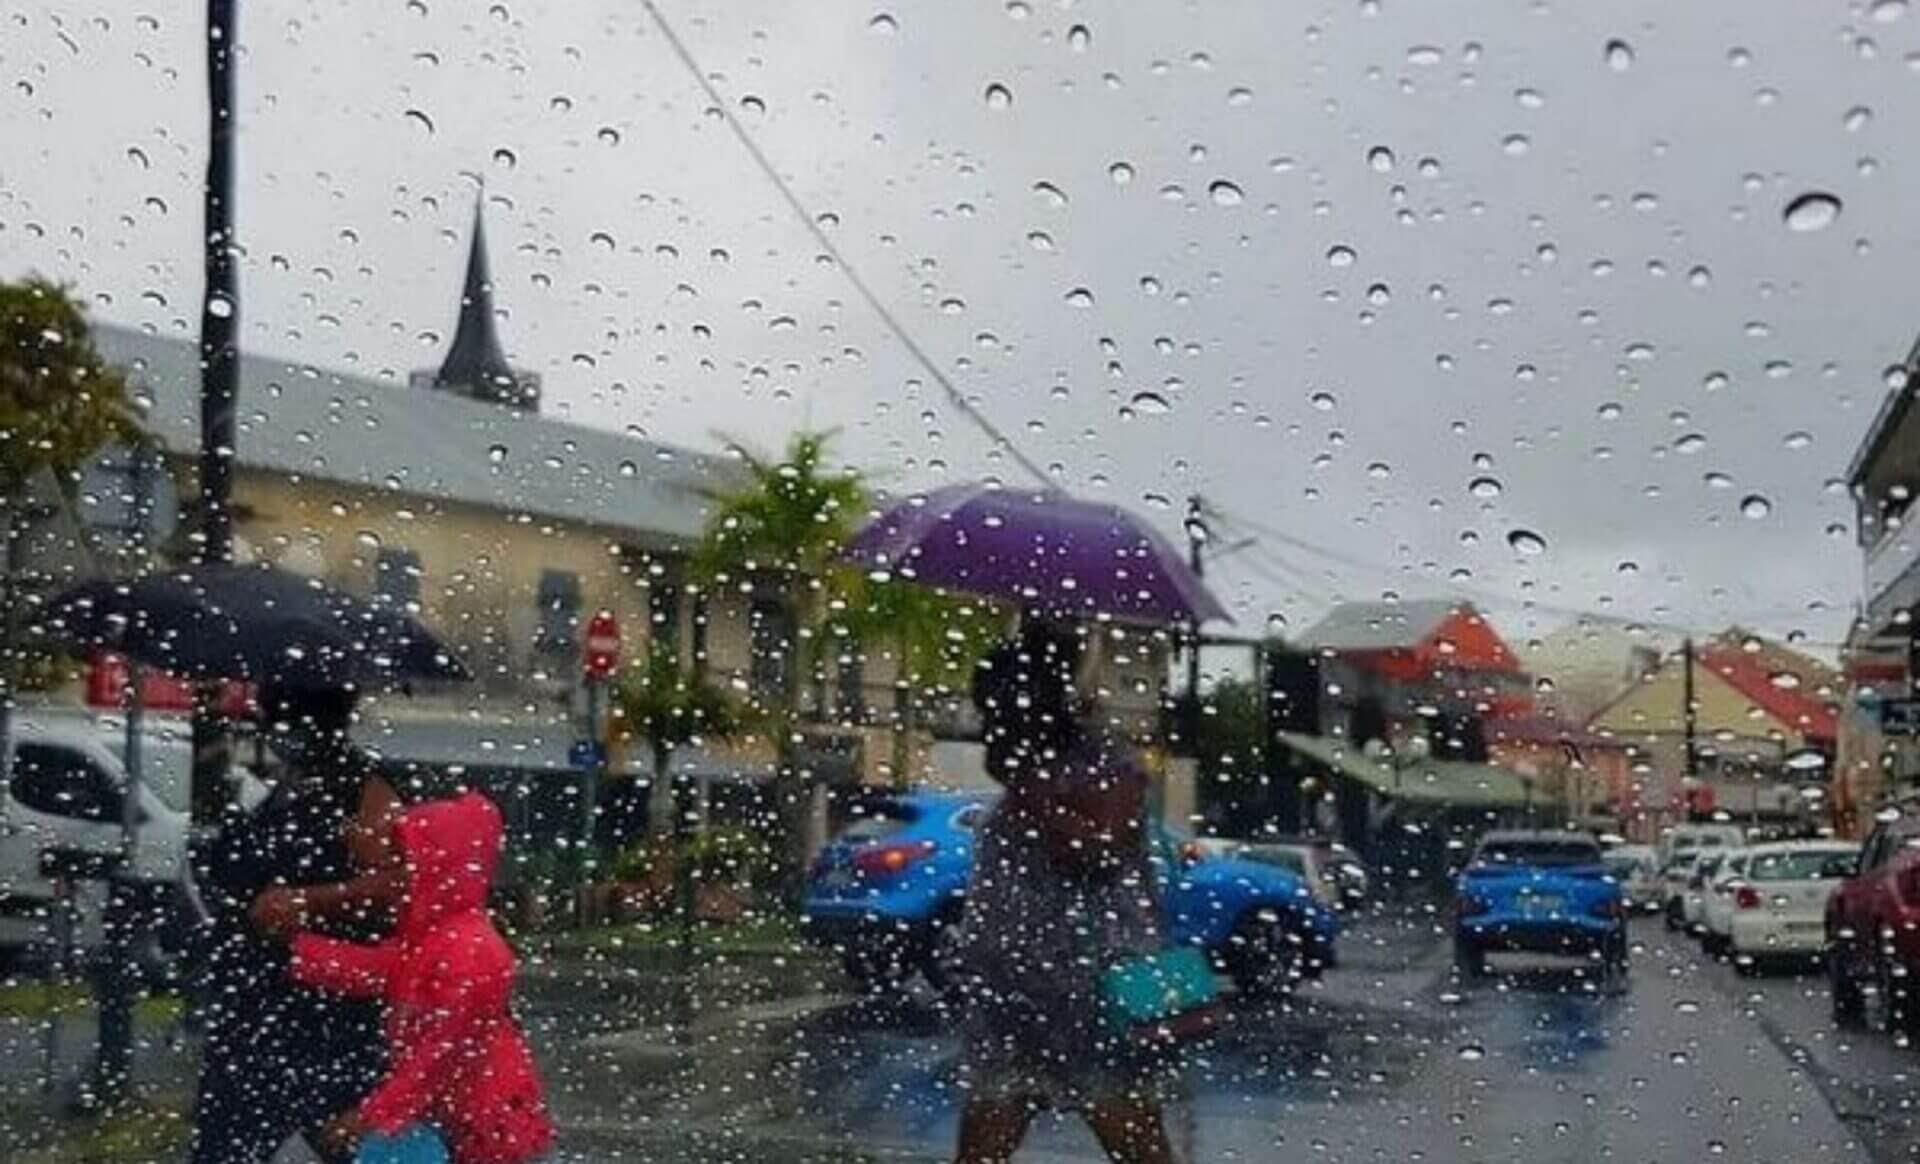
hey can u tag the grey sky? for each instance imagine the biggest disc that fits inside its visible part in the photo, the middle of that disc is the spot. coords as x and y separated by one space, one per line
1562 183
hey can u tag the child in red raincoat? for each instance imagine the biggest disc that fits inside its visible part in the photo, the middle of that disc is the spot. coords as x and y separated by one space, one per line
456 1058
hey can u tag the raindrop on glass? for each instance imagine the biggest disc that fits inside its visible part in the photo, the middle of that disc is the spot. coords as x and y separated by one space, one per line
1080 297
1812 211
1381 159
1240 96
1150 404
883 23
1484 488
1225 193
1078 38
1525 541
420 119
998 96
1121 173
1857 118
1322 401
1619 56
1755 506
1423 54
1050 194
1341 256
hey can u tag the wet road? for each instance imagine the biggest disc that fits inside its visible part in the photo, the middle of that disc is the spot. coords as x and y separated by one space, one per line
1390 1058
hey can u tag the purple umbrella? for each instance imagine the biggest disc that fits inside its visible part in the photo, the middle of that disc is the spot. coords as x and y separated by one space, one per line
1048 552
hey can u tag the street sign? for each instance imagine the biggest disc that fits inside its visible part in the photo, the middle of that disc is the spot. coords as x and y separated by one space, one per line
589 754
1900 717
600 654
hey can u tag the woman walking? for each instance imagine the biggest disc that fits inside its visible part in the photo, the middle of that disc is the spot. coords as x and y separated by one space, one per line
1062 890
280 1058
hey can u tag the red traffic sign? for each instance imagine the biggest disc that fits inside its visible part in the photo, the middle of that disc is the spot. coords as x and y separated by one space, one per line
601 649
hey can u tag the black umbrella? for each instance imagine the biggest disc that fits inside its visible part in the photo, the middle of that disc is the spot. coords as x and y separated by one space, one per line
254 623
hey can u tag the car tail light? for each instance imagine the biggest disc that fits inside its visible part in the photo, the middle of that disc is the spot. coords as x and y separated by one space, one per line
1909 883
1470 906
1746 897
891 860
1192 853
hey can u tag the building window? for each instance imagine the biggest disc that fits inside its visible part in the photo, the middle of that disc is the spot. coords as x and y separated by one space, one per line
558 636
396 579
770 643
57 782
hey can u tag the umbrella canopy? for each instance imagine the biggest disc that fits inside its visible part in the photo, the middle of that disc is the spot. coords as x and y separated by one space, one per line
1051 553
251 622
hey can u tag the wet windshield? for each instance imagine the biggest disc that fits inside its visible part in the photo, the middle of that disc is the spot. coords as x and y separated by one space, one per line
905 580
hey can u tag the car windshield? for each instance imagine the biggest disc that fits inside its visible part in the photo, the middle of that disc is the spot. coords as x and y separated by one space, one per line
743 520
1539 853
1800 865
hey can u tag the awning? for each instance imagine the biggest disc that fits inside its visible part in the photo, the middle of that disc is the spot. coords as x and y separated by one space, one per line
1437 782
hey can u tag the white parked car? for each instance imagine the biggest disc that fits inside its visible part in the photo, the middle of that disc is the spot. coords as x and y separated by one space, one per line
1701 873
1716 901
1776 903
1633 866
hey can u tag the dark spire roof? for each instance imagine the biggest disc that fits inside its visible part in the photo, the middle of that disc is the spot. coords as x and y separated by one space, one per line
476 361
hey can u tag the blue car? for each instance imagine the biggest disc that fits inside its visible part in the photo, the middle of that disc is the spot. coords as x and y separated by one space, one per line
888 893
1541 892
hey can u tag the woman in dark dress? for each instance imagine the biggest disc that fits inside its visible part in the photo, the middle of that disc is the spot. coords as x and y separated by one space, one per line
280 1059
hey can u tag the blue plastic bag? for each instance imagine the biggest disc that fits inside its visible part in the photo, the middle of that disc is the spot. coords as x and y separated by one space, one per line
419 1144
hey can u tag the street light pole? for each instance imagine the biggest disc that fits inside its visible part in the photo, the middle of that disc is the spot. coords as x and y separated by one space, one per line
1689 717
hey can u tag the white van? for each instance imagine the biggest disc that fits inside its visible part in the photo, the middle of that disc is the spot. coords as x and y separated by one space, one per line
1685 840
65 790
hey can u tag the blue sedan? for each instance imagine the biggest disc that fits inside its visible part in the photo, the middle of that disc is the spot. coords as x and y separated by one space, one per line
888 893
1541 892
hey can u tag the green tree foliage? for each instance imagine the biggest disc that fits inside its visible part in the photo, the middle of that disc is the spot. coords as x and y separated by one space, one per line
670 706
60 402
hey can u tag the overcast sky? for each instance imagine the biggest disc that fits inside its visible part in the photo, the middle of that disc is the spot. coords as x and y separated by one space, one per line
1365 253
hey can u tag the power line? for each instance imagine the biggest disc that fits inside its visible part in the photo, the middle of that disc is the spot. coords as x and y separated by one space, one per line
954 396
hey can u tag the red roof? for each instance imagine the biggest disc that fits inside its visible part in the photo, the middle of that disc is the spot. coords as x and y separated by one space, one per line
1790 706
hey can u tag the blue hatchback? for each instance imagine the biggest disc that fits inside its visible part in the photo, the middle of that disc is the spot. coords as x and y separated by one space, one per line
1542 892
888 894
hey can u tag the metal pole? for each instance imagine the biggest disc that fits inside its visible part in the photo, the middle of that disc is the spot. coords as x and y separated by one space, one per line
219 367
1196 539
1690 716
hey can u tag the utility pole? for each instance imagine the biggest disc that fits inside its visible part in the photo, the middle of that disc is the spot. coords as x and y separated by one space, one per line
1689 715
1196 542
219 388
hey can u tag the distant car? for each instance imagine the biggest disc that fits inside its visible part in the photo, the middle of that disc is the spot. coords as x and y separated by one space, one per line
1633 866
1689 839
1717 896
1541 892
889 891
1873 925
1304 859
1705 867
1773 901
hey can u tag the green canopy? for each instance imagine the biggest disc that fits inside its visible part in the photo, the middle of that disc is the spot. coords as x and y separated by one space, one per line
1435 782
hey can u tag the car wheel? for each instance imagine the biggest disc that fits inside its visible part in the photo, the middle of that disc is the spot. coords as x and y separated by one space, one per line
1897 1001
1849 1001
1672 914
1712 944
1268 960
1469 959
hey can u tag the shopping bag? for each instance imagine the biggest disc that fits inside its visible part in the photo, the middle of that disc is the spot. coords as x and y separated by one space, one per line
419 1144
1162 1000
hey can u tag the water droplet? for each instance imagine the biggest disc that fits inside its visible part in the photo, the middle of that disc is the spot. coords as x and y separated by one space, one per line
1812 211
1121 173
220 307
1857 119
999 96
1717 480
1018 9
1379 470
608 135
1040 240
1322 401
138 157
1080 297
1619 56
1341 256
1050 194
1529 98
1423 54
1225 193
1472 1052
1276 623
420 119
601 238
1693 442
1149 404
505 158
560 103
1149 285
1609 411
1755 506
1079 37
1785 680
629 469
1515 144
1240 96
1714 381
1381 159
1525 541
883 23
1484 488
1798 439
1888 11
1779 369
1686 1006
496 453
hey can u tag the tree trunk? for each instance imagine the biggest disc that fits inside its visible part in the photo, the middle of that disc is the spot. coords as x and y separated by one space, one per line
660 799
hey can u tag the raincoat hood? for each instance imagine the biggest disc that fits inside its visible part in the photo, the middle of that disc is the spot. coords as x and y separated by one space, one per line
451 849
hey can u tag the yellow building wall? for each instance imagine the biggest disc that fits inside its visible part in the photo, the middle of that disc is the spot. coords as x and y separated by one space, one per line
1724 716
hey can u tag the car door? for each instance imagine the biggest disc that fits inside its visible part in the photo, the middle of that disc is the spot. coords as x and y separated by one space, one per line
58 798
1847 909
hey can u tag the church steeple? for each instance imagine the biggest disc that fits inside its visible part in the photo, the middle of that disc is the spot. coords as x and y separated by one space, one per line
476 364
